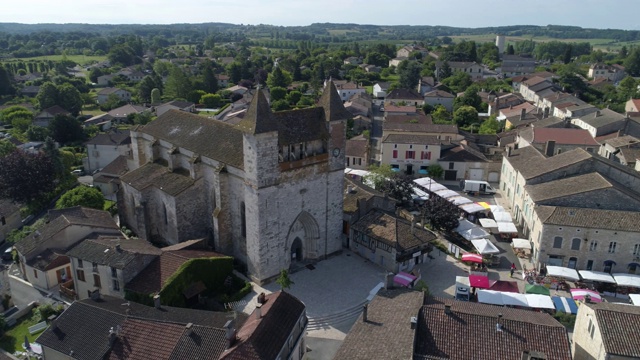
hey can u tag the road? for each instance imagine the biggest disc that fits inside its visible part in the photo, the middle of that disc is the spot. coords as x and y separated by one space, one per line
376 134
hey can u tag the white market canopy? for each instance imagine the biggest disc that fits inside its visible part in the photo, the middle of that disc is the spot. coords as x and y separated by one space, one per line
635 299
507 228
472 208
540 301
597 276
496 208
356 172
563 272
459 200
474 233
502 217
420 194
485 246
490 297
465 225
446 193
523 244
631 280
462 281
429 184
517 299
488 223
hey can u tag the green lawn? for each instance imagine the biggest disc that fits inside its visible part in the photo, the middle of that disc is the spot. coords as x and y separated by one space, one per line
14 338
79 59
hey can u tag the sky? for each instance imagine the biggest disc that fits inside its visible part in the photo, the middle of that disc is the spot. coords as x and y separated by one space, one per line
601 14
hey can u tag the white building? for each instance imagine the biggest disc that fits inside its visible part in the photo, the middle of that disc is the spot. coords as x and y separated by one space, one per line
105 148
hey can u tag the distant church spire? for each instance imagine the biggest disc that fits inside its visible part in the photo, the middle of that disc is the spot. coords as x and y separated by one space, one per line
258 118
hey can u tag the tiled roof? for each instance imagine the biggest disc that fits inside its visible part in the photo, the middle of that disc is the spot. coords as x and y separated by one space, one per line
619 327
145 340
113 252
392 230
469 332
356 147
110 90
387 333
8 207
213 139
531 163
117 167
204 342
114 138
404 94
589 218
55 110
551 121
153 277
159 176
621 141
400 109
567 186
125 110
359 192
602 117
439 93
258 119
331 103
413 118
629 155
462 153
562 136
412 139
262 339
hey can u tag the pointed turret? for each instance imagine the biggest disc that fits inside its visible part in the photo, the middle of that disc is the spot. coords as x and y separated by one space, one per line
332 104
259 119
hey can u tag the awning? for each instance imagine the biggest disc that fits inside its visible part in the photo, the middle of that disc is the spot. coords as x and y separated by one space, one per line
465 225
579 294
471 208
356 172
420 194
404 279
462 281
423 171
609 262
446 193
563 272
504 286
565 304
488 223
395 169
536 289
459 200
490 297
472 258
502 217
485 246
539 301
479 281
522 244
474 233
484 205
597 276
635 299
515 299
424 181
631 280
496 208
507 228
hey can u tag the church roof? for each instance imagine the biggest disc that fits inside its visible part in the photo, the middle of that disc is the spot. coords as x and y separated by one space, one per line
153 174
259 118
332 104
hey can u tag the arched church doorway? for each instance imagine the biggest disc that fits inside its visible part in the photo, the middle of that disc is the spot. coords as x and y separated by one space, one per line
302 240
296 250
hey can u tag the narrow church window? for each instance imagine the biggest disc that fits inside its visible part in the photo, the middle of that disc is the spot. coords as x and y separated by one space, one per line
243 219
166 221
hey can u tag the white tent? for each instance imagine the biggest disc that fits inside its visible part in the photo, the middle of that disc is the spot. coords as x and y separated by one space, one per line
472 208
464 225
635 299
522 244
502 217
631 280
474 233
597 276
356 172
446 193
563 272
488 223
429 184
496 208
485 246
420 194
459 200
490 297
507 228
540 301
509 298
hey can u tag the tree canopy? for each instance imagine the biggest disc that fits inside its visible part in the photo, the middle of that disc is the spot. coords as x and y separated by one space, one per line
81 196
25 176
440 214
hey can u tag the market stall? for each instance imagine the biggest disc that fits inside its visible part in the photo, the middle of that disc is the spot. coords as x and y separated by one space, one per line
504 286
540 301
635 299
565 304
459 200
479 281
629 280
484 246
502 217
536 289
581 294
490 297
404 279
563 272
521 247
598 276
514 299
446 193
507 230
475 258
474 233
488 223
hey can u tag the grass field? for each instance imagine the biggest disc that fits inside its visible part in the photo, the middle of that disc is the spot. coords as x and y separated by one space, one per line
598 44
78 59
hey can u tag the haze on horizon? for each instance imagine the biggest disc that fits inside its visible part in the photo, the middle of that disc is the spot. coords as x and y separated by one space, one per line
614 14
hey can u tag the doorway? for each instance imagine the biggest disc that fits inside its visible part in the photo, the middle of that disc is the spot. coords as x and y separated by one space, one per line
296 250
409 169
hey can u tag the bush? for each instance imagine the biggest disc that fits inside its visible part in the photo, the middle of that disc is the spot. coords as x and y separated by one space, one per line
568 320
43 311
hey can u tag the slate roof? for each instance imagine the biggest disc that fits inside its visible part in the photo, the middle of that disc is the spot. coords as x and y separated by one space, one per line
462 153
180 104
125 110
469 332
213 139
145 340
602 117
110 90
404 94
550 122
331 103
302 125
359 192
619 327
117 167
155 275
116 252
439 93
203 342
357 147
263 338
258 119
629 155
413 118
531 163
392 230
115 138
412 139
562 136
589 218
159 176
621 141
387 332
568 186
55 110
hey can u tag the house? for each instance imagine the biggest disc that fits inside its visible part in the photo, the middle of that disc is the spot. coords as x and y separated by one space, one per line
571 110
132 75
108 178
612 149
237 89
104 148
176 105
103 328
368 68
105 80
394 110
410 153
380 89
613 73
406 51
357 153
426 84
42 253
30 91
396 61
106 263
516 65
45 116
359 104
194 177
553 141
504 101
404 97
418 124
474 69
439 97
122 113
535 88
464 161
349 89
121 94
632 105
393 243
223 81
102 121
601 122
606 331
10 218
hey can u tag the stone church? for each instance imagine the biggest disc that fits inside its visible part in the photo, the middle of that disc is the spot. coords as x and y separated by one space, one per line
267 190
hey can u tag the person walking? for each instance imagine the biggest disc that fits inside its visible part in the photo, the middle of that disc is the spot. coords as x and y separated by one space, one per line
513 269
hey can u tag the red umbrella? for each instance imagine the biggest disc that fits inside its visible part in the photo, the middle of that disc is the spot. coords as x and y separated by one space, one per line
472 258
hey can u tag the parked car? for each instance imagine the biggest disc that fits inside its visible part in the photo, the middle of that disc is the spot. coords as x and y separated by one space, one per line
475 186
7 255
77 172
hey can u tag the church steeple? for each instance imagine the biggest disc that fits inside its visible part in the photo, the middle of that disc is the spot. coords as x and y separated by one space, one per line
332 104
259 119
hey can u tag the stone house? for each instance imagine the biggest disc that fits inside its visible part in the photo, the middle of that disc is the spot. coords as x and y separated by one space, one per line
464 161
121 94
606 331
45 116
404 97
405 51
223 81
122 113
475 70
553 141
515 65
265 187
623 149
613 73
533 89
359 199
187 106
439 97
357 153
410 154
632 105
10 218
601 122
426 84
103 149
108 179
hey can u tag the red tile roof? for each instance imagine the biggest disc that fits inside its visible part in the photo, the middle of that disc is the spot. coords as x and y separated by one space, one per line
145 340
563 136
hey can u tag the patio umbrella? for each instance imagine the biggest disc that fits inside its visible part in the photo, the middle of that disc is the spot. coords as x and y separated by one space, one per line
536 289
26 343
472 258
479 281
580 294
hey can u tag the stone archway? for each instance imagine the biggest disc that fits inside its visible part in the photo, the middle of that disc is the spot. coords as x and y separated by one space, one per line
302 240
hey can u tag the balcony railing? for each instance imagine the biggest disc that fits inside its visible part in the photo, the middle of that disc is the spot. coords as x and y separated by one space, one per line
67 289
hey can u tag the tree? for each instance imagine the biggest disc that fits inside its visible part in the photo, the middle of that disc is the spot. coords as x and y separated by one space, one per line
18 116
25 176
440 115
283 280
378 175
156 96
277 93
178 84
113 101
441 214
5 82
280 105
142 118
211 101
408 74
465 116
66 129
490 126
145 87
209 79
470 98
81 196
47 95
294 97
458 82
628 88
435 171
69 98
376 58
279 78
510 50
397 187
567 54
6 148
195 95
444 71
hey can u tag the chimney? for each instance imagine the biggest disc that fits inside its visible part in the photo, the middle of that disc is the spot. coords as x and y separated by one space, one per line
230 333
261 298
498 324
523 113
549 148
447 309
545 113
188 329
414 322
112 337
118 248
258 311
365 310
597 113
508 151
156 301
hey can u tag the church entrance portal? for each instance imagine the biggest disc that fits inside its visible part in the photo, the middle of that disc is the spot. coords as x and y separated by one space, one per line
302 240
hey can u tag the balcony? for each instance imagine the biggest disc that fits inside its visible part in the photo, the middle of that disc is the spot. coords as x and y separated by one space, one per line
311 160
67 290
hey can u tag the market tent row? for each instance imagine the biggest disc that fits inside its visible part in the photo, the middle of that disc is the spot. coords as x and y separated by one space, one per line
502 216
563 272
488 223
429 184
507 298
522 244
355 172
459 200
597 276
446 193
631 280
484 246
470 231
507 228
565 304
420 194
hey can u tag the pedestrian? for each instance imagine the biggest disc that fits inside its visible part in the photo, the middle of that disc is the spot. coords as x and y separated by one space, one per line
513 266
512 271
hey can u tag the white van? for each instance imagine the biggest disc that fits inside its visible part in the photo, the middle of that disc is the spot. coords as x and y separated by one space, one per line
477 186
